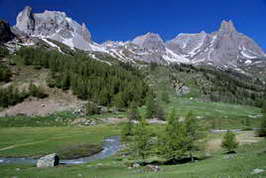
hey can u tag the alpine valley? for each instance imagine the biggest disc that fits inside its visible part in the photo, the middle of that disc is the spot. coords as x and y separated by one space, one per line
139 108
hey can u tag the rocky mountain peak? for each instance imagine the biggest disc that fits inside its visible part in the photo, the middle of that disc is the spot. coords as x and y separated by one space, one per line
227 26
25 20
54 25
85 32
150 41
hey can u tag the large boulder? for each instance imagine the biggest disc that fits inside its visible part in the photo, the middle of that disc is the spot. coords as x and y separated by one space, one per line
51 160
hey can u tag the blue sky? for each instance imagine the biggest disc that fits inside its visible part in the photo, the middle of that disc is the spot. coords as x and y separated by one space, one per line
125 19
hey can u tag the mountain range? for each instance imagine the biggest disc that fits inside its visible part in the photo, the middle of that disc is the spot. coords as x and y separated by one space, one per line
226 47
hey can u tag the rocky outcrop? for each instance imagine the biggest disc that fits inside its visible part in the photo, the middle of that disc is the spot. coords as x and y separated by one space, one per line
54 25
5 32
51 160
226 47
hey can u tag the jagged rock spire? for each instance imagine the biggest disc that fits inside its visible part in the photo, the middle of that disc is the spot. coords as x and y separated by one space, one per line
85 32
227 26
25 20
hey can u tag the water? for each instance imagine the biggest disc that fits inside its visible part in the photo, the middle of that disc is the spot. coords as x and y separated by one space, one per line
110 147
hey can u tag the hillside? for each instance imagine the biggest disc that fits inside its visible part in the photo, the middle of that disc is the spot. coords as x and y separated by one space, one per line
192 106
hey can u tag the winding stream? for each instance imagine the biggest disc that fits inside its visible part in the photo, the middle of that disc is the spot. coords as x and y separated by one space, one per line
110 146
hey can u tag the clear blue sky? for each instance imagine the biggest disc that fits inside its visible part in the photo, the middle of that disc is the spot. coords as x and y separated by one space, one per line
125 19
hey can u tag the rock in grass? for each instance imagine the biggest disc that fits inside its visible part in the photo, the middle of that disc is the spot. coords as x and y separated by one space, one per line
48 161
152 168
257 171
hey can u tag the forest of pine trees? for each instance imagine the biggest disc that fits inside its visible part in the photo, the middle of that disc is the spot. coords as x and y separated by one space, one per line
116 85
224 86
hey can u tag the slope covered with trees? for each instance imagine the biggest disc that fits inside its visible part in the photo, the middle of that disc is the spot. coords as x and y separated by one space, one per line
104 84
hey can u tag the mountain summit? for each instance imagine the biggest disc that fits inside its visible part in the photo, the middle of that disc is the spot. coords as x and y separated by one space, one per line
225 47
54 25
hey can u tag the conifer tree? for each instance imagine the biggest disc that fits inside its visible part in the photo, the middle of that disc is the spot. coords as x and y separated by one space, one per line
261 132
141 145
193 134
229 141
173 144
150 104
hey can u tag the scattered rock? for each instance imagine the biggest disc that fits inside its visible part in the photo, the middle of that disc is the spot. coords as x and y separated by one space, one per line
136 165
99 164
257 171
48 161
83 122
153 168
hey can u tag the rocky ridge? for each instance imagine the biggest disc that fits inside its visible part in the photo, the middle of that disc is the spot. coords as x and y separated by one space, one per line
226 47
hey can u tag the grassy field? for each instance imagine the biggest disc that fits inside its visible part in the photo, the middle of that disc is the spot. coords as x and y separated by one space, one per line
241 165
36 141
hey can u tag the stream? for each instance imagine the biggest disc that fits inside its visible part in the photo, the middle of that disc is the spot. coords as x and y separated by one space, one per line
111 146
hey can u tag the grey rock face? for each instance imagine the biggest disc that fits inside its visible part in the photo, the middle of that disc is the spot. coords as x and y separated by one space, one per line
25 20
226 47
5 32
188 44
48 161
150 41
54 25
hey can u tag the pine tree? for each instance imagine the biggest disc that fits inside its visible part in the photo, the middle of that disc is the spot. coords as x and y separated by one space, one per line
263 109
261 132
193 134
91 109
141 145
173 144
229 141
159 112
133 113
165 97
150 104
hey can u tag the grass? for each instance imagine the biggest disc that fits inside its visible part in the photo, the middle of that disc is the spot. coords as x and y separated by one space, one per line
57 119
38 141
241 165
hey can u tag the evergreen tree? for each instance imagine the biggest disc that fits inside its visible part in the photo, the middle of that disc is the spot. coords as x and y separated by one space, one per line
229 141
193 134
133 113
261 132
165 97
91 109
159 112
263 109
150 104
141 145
3 52
173 144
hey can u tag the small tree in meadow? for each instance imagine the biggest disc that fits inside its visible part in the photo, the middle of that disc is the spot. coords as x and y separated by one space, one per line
263 108
261 132
141 145
133 113
173 143
229 141
193 133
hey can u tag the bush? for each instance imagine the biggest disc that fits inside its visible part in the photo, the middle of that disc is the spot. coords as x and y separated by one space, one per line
36 91
91 109
5 73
